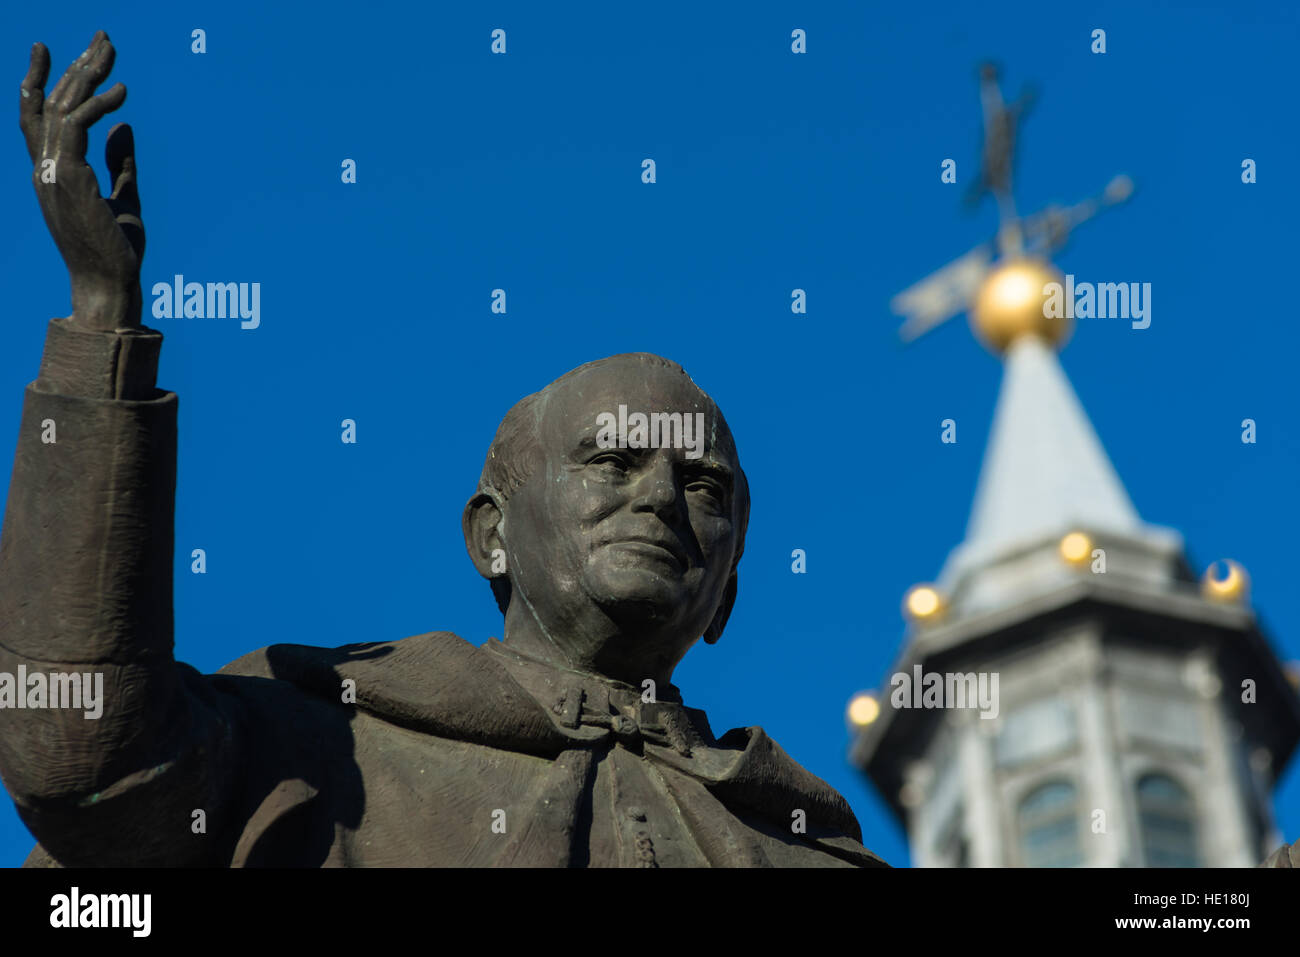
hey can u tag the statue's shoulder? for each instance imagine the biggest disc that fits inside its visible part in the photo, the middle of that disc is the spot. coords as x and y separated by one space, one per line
437 683
439 651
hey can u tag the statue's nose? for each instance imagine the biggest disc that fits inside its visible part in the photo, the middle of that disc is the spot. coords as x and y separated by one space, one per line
656 487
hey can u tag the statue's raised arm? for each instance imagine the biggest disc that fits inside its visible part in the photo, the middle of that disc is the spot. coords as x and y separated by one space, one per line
106 744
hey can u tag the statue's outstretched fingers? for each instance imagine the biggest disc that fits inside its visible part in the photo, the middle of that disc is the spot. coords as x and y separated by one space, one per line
31 98
59 97
89 75
95 107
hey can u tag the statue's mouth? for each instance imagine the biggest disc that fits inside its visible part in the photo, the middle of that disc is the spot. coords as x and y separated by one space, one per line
656 548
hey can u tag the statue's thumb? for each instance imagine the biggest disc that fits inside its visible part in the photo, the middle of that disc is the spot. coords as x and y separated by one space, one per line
119 154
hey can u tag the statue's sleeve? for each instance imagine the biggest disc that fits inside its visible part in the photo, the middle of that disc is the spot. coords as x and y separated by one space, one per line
86 590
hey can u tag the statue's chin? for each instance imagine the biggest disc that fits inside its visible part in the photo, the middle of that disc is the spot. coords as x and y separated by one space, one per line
637 596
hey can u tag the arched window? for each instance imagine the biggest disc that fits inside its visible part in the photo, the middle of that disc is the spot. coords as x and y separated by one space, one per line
1167 821
1049 826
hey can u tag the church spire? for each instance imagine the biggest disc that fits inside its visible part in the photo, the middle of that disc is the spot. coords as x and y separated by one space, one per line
1045 470
1045 475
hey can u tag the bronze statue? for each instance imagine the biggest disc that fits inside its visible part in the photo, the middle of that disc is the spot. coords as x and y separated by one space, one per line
565 744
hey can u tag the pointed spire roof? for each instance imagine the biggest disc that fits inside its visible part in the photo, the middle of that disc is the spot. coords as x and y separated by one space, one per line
1045 474
1044 466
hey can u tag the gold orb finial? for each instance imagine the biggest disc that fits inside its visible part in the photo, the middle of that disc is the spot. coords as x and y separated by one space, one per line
1231 588
923 603
1012 302
863 709
1076 548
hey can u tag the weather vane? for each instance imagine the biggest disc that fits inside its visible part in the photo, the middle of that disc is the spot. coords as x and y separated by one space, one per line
999 282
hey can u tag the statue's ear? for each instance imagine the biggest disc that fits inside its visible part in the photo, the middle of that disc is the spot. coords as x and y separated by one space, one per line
483 523
714 631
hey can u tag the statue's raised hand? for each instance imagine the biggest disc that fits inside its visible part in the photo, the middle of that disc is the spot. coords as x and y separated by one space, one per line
102 240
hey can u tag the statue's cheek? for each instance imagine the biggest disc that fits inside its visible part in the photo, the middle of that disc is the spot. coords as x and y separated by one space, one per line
715 534
592 501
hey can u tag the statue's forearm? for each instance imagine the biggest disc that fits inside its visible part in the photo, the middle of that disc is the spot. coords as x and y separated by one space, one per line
86 588
86 546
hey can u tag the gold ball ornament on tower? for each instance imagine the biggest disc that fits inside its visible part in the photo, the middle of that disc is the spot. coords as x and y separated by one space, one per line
863 709
1012 302
1076 549
924 604
1233 587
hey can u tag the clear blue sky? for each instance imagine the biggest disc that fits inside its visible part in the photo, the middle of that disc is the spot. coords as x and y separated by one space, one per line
775 171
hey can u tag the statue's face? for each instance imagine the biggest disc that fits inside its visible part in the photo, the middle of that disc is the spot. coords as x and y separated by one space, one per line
642 538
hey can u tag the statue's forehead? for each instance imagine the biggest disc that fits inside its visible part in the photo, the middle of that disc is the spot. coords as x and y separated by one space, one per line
633 384
573 405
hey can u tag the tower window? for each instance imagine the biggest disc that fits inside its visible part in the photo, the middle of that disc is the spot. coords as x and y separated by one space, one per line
1168 822
1035 731
1049 826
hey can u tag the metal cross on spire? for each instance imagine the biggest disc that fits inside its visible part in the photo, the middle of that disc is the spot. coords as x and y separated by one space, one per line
951 289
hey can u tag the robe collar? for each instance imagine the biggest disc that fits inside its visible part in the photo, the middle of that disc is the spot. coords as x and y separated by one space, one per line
440 684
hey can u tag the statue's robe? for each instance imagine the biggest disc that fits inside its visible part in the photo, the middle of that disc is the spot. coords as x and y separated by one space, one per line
447 759
425 751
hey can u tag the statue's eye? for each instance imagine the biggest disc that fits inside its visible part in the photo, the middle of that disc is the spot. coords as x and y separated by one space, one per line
610 460
709 487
